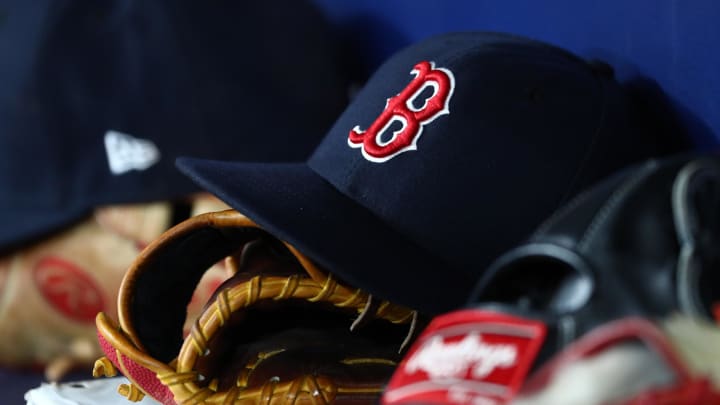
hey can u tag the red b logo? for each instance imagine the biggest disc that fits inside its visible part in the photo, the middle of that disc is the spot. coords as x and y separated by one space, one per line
400 108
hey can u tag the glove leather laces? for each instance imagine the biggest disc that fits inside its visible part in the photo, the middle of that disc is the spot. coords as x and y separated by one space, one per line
190 386
183 382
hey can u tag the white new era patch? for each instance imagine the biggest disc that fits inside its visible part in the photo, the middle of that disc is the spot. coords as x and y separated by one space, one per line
126 153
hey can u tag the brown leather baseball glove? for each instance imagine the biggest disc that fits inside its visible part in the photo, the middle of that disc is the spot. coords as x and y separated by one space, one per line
52 288
280 330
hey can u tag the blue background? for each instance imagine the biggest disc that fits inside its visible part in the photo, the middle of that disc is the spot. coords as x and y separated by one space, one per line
670 47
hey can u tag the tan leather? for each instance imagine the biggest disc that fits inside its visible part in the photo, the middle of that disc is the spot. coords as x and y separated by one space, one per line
260 362
51 291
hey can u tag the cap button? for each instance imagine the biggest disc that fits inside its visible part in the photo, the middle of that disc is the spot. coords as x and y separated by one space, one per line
601 68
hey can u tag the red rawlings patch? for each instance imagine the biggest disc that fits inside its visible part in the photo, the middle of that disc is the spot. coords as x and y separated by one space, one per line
68 289
467 357
716 312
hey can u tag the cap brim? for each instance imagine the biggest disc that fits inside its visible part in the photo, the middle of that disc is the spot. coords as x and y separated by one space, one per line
298 206
21 227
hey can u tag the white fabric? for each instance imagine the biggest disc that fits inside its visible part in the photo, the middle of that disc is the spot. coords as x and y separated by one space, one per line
616 373
93 392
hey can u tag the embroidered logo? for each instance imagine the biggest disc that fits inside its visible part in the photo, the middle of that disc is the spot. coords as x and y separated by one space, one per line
453 360
126 153
379 146
69 289
467 357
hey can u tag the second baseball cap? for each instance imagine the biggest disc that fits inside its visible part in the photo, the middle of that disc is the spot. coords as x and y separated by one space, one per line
97 99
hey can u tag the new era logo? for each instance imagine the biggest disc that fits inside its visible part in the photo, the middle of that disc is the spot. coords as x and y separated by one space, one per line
126 153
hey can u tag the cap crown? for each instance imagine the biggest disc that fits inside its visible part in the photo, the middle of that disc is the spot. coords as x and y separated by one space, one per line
471 139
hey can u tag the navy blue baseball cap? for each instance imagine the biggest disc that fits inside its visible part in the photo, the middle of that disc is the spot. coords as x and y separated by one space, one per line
454 150
97 99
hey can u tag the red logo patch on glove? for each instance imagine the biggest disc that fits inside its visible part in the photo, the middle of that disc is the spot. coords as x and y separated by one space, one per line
467 357
68 289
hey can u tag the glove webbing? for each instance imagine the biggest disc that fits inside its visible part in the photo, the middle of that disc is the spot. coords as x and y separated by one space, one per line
183 383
